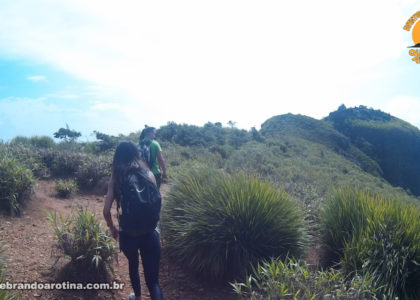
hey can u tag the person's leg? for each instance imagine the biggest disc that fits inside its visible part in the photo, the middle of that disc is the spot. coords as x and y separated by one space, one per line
150 256
158 178
133 269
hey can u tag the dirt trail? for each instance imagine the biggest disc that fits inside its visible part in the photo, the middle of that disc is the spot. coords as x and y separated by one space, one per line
29 241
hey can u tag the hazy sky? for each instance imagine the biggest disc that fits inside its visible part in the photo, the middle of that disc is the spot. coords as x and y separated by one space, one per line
114 66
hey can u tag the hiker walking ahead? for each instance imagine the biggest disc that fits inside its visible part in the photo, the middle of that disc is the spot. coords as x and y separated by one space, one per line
134 187
151 152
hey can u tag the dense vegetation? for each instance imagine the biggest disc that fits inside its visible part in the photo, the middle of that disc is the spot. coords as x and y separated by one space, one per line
16 182
218 224
322 178
291 279
81 237
391 142
376 236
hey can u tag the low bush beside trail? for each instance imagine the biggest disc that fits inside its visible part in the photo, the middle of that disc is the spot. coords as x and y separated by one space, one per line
92 170
220 225
291 279
82 238
371 234
65 188
16 183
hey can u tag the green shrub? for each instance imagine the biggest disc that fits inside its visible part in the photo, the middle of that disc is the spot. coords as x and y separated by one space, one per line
16 183
82 239
343 216
65 188
28 156
42 142
92 170
378 236
389 248
291 279
63 163
34 141
20 140
219 225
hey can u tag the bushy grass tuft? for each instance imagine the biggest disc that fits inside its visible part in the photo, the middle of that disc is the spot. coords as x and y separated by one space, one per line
92 170
219 225
293 280
65 188
344 215
16 183
34 141
62 163
82 239
378 236
27 156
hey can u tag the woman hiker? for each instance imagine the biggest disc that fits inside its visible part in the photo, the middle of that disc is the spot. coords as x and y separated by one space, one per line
127 159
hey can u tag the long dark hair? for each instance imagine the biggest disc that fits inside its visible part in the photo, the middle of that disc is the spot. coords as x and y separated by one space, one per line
126 158
146 131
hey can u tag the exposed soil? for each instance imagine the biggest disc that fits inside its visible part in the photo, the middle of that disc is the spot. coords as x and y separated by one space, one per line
30 257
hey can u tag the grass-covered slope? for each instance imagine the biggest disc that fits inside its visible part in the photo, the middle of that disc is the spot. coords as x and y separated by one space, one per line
304 156
393 143
319 132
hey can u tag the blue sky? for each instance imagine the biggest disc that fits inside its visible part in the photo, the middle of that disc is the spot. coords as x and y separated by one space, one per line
114 67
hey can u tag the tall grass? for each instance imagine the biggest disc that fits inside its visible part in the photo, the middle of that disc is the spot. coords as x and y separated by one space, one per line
16 183
343 217
293 280
35 141
82 239
65 188
219 225
378 236
92 170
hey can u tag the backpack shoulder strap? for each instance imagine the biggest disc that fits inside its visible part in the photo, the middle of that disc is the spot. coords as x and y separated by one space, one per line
145 142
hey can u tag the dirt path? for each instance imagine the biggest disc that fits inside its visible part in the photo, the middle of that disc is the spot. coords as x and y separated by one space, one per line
29 241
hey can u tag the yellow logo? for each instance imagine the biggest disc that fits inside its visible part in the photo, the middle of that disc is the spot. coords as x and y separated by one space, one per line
415 34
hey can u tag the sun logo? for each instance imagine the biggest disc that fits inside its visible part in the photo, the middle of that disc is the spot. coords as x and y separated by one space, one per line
415 34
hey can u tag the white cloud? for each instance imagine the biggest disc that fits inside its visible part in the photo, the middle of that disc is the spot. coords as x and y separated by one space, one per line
406 108
193 61
36 78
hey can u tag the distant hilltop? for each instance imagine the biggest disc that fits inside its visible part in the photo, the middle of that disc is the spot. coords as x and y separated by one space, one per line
379 143
393 143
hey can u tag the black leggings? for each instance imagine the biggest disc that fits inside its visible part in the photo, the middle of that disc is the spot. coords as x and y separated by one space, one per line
149 246
158 178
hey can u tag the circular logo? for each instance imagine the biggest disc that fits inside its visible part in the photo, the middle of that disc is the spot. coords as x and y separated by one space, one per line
415 33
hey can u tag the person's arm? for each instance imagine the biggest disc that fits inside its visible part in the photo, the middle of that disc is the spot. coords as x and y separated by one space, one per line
107 209
151 176
162 165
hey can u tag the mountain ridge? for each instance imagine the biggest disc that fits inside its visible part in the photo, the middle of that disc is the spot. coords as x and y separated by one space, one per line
377 142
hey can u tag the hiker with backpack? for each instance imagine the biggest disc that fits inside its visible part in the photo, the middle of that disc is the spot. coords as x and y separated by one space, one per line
138 199
151 152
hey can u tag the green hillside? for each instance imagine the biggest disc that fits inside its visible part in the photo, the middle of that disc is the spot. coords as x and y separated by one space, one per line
393 143
304 156
337 172
319 132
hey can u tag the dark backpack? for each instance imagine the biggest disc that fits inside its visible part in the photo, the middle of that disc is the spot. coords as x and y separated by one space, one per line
144 149
140 202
